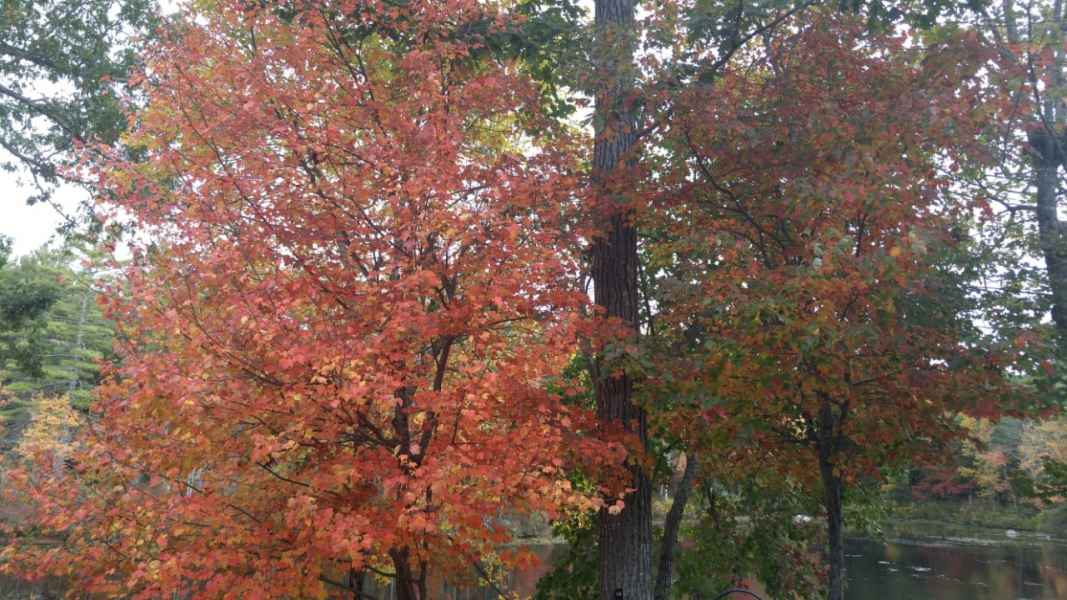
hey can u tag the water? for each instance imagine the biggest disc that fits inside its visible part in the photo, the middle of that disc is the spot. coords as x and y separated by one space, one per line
876 571
899 571
893 571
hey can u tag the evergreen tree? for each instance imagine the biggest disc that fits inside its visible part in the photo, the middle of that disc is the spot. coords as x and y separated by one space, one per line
52 333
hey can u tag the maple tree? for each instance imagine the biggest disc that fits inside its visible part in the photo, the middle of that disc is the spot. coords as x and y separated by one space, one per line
684 44
621 124
356 278
806 211
351 292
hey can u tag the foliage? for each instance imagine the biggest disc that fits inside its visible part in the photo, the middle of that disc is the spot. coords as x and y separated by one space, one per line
71 337
755 527
50 429
1006 462
574 577
54 334
957 518
805 222
63 66
27 292
337 342
349 329
814 235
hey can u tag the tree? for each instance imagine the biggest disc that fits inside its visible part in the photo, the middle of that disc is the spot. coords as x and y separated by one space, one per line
27 293
53 336
68 338
340 330
80 53
807 218
361 283
620 122
625 571
694 40
750 523
1023 181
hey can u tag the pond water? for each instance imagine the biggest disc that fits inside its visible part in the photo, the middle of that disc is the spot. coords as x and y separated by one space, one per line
895 571
899 571
876 571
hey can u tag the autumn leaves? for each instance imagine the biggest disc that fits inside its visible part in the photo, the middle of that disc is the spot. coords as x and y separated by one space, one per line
361 281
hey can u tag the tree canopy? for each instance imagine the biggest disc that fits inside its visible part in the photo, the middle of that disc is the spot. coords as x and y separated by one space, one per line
386 295
63 68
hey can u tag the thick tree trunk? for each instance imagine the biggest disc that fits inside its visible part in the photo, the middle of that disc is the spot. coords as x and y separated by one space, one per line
665 570
1050 150
626 538
1050 230
832 501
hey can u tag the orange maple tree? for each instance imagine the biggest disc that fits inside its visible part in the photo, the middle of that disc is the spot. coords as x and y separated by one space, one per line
351 292
807 210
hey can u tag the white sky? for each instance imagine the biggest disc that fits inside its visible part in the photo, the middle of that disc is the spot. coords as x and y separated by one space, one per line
31 226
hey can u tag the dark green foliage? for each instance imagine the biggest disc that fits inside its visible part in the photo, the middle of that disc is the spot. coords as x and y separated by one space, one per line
735 532
756 528
575 576
1051 484
62 66
727 21
27 292
550 43
917 13
55 334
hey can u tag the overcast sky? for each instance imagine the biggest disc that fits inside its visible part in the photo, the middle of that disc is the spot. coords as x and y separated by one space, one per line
30 226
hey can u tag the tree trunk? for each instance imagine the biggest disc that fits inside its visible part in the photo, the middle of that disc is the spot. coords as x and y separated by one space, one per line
1048 144
409 585
832 501
1050 230
356 584
671 524
626 538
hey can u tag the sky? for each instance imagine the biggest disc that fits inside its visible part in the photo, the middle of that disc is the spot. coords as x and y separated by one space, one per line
30 227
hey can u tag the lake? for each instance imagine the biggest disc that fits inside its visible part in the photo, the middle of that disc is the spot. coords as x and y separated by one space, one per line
899 571
876 571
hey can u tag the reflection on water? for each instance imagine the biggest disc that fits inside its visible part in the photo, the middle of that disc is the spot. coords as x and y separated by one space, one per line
876 571
899 571
893 571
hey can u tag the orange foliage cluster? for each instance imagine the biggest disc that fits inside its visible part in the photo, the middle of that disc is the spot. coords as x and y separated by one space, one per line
358 279
341 327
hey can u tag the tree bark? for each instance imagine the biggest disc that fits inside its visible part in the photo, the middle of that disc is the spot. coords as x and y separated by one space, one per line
832 501
1051 230
665 570
409 585
625 539
1048 144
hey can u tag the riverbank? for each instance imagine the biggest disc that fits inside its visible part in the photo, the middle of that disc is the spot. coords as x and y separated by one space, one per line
972 523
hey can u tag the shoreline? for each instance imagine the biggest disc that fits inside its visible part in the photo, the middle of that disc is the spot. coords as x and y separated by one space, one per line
910 537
